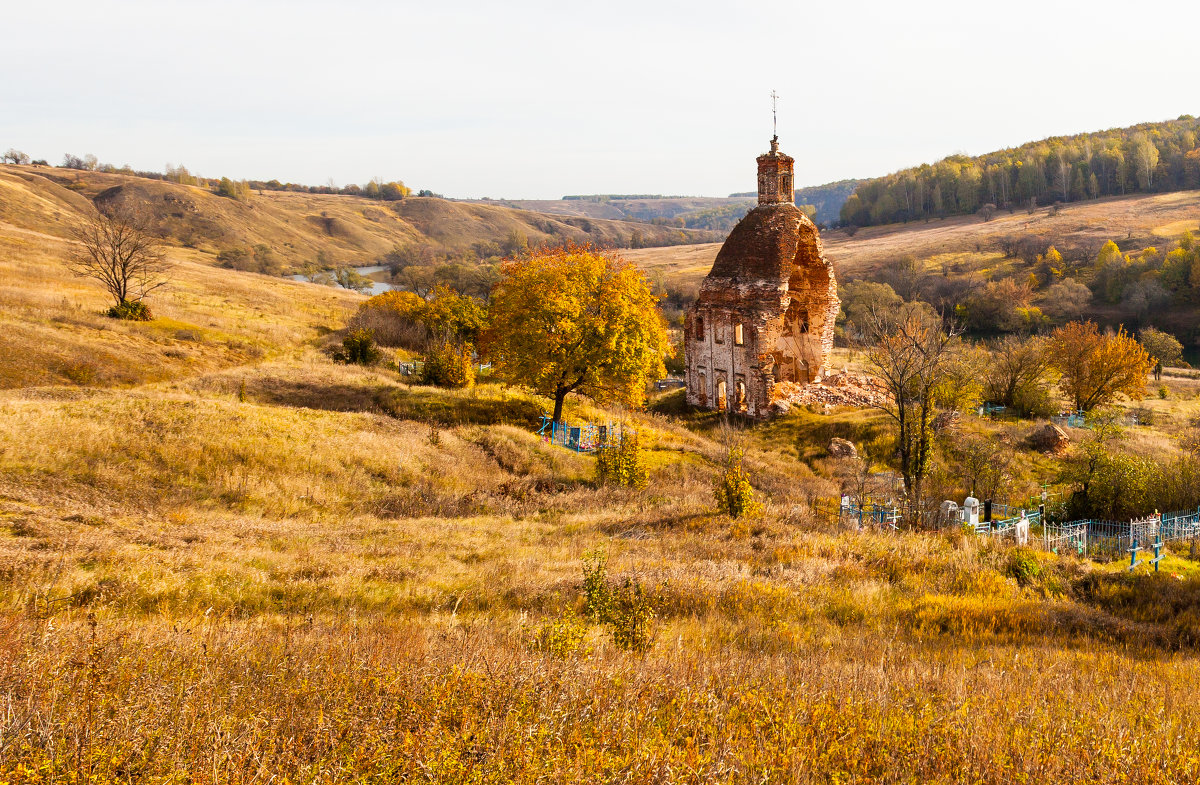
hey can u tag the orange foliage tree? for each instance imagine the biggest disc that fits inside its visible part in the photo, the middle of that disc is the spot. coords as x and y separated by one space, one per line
1096 367
576 320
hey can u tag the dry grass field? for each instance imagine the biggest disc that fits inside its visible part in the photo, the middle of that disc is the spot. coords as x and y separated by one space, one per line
225 559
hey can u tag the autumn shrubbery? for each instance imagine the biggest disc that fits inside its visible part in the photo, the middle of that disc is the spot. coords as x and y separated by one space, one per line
621 462
396 319
1117 485
734 493
257 259
131 310
449 365
627 608
562 636
358 348
406 320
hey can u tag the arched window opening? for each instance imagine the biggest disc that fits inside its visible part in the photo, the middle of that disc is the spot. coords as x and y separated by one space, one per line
699 328
739 338
722 400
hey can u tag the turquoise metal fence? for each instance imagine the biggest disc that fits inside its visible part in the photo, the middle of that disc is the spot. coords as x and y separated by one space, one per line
587 437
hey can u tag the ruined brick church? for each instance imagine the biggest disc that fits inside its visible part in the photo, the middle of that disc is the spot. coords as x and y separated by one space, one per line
766 311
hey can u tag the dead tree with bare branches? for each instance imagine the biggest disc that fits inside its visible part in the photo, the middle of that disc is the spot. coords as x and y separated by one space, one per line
116 248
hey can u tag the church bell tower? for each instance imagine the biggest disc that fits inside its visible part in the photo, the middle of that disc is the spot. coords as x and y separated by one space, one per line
775 176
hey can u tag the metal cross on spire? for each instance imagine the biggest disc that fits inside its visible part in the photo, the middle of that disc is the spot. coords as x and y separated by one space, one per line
774 113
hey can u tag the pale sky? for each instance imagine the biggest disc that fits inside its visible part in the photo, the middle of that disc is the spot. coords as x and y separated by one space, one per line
526 99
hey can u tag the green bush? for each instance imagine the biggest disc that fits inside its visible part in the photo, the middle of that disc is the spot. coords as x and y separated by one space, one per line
447 365
131 310
622 463
735 494
597 596
1033 399
628 609
359 348
1023 566
1117 486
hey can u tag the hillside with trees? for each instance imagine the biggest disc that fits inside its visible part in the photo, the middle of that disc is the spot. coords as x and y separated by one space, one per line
1118 260
269 529
682 212
1145 158
282 228
826 200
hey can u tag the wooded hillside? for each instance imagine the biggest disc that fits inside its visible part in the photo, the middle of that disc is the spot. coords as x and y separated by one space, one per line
1145 158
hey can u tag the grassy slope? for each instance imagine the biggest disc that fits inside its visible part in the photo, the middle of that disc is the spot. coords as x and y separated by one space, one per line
967 238
51 330
223 557
297 226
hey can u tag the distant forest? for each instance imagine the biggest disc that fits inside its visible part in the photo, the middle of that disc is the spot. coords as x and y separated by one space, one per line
1146 158
827 199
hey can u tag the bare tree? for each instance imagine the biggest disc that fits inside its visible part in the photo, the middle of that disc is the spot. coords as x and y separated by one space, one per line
913 354
115 247
982 465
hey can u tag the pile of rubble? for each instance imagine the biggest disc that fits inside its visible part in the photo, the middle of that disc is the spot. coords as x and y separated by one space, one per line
1050 439
841 388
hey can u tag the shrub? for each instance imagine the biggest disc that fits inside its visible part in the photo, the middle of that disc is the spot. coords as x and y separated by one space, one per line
622 463
1023 566
735 494
1116 485
396 318
1034 400
131 310
628 610
447 365
80 371
563 636
632 617
597 596
359 348
259 259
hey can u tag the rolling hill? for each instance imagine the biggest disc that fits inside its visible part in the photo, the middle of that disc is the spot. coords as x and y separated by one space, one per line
693 212
304 229
1145 218
224 557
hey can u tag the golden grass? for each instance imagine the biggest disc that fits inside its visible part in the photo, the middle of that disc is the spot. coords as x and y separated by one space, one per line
231 568
53 331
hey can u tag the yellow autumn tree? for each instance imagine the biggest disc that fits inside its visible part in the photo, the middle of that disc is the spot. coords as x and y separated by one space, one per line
1095 366
1110 254
576 320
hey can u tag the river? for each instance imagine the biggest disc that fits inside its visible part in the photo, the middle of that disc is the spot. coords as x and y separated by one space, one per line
372 272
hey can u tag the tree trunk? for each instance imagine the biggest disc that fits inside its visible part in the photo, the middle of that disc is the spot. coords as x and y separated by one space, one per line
560 394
